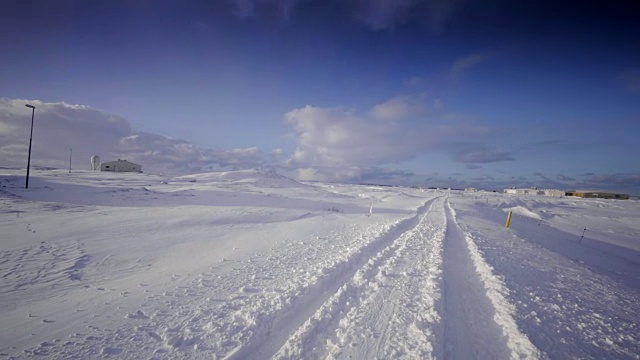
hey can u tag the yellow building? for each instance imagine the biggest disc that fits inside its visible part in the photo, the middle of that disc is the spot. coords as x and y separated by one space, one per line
598 194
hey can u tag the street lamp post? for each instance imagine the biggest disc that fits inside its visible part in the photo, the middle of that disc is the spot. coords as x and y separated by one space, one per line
33 111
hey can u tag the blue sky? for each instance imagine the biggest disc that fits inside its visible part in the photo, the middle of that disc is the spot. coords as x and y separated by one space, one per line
435 92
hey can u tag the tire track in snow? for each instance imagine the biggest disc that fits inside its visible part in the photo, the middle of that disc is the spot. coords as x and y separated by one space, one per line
478 319
270 337
219 311
388 310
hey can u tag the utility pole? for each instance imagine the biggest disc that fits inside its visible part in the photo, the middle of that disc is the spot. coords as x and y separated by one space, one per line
33 112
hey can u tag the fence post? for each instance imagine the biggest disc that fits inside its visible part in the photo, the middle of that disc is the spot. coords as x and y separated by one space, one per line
583 231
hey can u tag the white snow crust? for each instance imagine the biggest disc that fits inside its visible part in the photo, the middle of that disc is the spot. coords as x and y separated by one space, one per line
253 265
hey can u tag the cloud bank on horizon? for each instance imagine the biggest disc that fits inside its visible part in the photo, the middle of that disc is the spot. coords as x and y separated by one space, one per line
334 139
327 140
332 144
447 93
86 131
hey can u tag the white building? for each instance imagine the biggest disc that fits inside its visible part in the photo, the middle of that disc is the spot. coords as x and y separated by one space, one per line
120 166
535 191
551 192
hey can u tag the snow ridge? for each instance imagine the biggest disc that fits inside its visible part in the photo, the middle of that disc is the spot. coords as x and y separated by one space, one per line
518 344
133 266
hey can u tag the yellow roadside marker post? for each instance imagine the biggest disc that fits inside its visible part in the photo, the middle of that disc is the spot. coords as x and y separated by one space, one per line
508 219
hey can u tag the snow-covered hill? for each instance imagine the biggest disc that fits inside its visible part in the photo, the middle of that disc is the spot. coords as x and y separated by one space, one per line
247 264
255 177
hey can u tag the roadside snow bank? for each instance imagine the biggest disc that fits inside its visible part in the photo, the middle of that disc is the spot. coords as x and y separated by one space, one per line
497 292
523 211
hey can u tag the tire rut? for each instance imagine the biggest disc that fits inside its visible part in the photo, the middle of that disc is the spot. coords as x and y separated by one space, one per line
477 323
394 313
271 336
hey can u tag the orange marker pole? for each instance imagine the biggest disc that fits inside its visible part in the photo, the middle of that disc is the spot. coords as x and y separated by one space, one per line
508 219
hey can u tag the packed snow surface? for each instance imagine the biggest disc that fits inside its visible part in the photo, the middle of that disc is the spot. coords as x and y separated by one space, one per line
253 265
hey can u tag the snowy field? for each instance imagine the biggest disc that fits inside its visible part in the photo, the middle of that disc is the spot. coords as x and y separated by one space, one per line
250 265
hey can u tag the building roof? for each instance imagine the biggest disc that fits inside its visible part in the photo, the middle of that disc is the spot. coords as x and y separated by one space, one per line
120 161
598 191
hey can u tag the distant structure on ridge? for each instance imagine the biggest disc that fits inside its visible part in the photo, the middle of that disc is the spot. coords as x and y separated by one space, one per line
95 163
535 191
598 194
120 166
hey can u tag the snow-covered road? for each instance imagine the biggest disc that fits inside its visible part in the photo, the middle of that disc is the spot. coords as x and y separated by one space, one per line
248 265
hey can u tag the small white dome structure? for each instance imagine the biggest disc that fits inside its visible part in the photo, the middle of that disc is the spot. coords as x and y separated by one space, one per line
95 163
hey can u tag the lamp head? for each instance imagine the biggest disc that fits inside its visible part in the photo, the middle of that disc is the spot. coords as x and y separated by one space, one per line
30 106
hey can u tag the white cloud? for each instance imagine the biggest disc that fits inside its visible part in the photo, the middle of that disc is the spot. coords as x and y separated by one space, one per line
463 65
7 129
332 144
168 155
18 152
306 174
397 108
336 143
338 138
60 126
57 127
477 153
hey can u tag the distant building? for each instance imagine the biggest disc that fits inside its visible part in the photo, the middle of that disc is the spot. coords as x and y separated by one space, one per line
120 166
530 191
471 189
598 194
556 193
535 191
